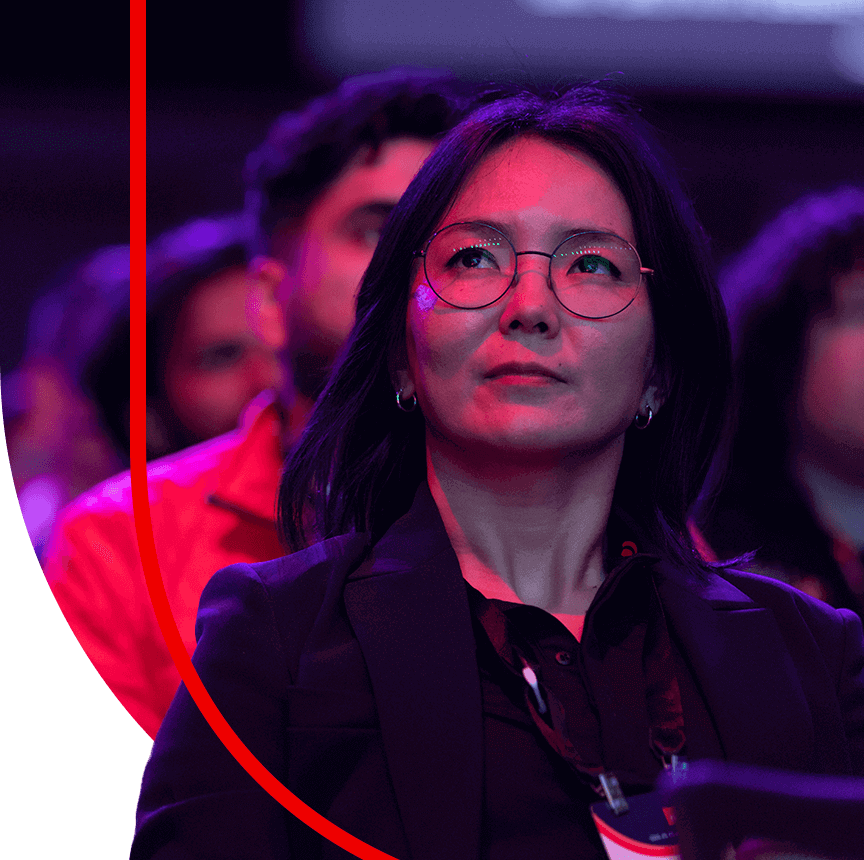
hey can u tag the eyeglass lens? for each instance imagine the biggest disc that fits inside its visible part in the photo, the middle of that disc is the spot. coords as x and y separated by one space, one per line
472 265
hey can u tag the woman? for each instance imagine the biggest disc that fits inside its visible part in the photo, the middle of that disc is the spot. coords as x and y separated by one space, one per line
507 609
795 489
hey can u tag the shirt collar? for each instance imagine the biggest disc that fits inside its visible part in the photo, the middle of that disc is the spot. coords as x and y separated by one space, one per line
248 481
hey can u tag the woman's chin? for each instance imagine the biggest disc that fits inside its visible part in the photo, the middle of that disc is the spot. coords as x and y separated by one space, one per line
525 444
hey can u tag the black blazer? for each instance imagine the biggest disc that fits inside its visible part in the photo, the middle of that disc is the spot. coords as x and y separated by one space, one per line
351 673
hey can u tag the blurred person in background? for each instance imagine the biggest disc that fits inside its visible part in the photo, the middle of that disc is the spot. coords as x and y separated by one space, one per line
68 408
319 190
204 361
56 436
795 492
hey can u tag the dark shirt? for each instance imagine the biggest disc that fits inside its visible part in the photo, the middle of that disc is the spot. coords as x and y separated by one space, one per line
535 803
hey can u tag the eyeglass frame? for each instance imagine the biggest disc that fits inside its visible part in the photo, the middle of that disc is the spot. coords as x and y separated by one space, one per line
516 254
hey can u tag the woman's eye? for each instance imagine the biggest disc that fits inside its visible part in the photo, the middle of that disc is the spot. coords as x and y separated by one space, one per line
473 258
594 264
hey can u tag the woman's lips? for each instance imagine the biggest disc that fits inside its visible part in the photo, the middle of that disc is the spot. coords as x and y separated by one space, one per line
525 373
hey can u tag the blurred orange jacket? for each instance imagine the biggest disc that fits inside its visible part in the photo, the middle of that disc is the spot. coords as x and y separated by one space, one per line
211 506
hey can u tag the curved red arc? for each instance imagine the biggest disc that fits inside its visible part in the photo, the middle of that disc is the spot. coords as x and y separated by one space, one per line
138 459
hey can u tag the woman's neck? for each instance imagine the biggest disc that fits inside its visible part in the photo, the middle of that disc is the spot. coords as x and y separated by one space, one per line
537 531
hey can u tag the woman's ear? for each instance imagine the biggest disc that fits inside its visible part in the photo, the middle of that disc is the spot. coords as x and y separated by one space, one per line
400 373
653 398
403 383
657 389
399 366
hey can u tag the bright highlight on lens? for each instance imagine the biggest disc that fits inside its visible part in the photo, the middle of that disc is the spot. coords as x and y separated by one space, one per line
472 265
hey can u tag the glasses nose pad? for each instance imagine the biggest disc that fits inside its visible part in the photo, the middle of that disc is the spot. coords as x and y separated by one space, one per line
542 267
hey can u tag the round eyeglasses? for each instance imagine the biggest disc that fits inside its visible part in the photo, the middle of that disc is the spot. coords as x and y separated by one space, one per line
471 265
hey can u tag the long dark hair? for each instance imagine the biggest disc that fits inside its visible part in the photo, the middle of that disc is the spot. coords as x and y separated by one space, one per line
360 459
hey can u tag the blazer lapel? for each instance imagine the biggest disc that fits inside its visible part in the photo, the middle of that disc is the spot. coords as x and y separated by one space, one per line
409 610
743 667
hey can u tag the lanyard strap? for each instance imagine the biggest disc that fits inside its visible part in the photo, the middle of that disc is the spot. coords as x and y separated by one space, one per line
662 693
663 696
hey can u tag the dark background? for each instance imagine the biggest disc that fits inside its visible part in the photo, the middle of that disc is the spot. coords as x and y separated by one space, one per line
217 77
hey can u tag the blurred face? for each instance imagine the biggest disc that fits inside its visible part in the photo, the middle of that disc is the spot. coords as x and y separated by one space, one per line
831 402
525 376
216 365
326 258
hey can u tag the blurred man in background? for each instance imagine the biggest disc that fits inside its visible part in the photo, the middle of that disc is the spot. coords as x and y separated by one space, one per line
320 188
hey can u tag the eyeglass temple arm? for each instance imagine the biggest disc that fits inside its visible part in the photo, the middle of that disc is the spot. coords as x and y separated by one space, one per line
644 271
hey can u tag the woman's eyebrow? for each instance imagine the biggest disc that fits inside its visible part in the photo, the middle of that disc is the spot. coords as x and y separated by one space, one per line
558 233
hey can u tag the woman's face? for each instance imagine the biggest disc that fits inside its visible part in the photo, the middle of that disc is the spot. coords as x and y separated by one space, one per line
216 364
525 376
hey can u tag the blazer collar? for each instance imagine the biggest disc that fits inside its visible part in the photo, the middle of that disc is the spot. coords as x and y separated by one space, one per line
742 665
408 606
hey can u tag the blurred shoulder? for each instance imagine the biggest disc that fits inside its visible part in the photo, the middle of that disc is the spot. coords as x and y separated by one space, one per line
178 475
187 476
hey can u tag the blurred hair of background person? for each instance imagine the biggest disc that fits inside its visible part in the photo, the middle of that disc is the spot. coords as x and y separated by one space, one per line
795 491
320 188
68 401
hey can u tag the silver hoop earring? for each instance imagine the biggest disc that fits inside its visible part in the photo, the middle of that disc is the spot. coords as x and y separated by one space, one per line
640 422
401 404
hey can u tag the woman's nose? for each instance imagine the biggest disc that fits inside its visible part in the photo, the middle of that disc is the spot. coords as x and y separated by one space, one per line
531 305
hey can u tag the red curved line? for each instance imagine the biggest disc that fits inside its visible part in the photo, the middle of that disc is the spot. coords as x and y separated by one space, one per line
644 849
138 458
